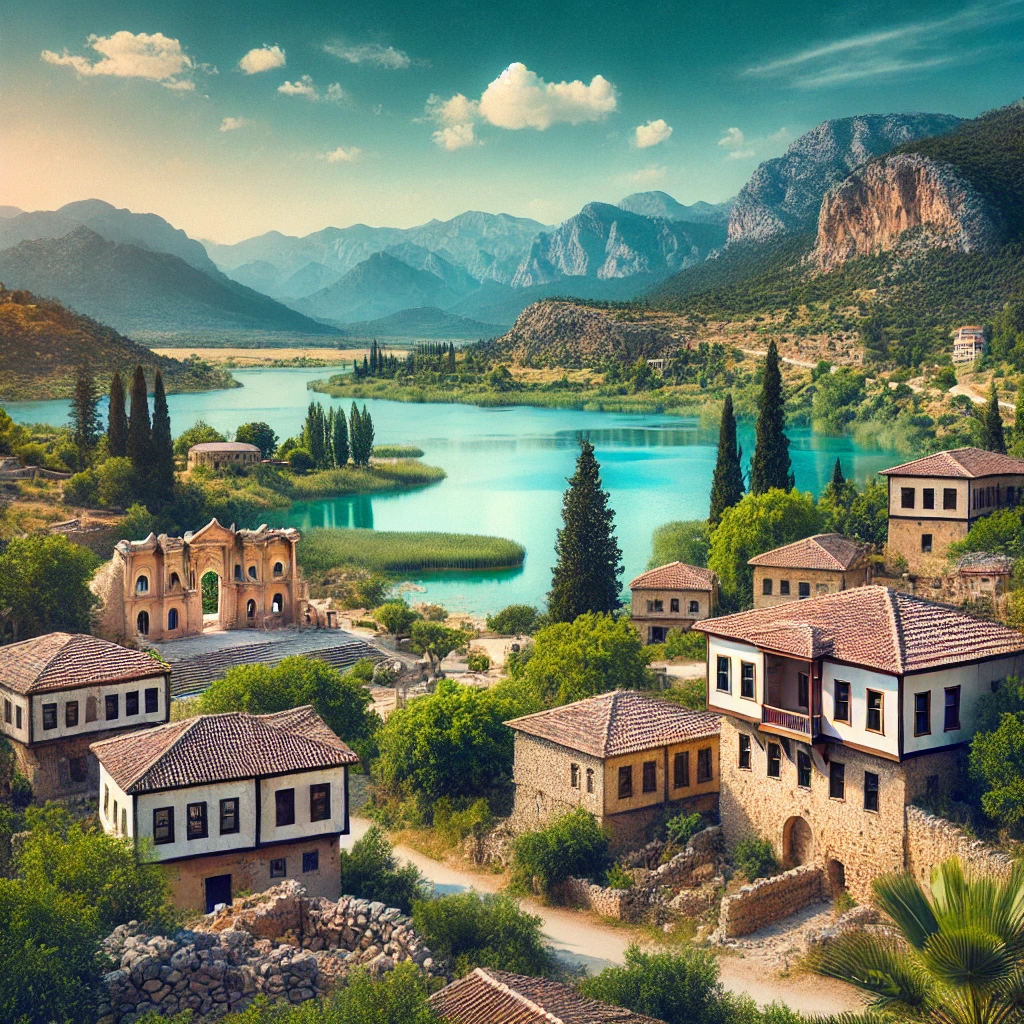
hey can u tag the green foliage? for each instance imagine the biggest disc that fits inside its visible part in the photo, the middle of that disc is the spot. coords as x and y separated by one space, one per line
1000 532
437 640
140 435
945 378
836 398
690 693
683 827
685 540
300 460
260 434
360 435
770 467
755 858
455 825
397 451
727 482
138 523
160 478
199 433
571 845
85 420
371 871
478 661
616 877
997 754
396 617
514 620
573 660
117 420
862 515
679 644
992 437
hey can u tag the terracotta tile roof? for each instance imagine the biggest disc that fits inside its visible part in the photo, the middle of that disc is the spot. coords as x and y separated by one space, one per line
960 463
218 748
822 551
223 446
487 996
982 563
675 576
60 661
620 722
875 627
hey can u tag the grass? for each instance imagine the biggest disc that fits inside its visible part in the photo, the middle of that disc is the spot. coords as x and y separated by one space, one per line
390 552
391 476
397 451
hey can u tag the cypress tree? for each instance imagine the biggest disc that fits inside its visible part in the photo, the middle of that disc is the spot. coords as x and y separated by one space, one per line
451 357
366 425
339 441
992 437
727 484
140 438
587 575
162 475
837 476
771 467
85 420
117 421
329 439
355 434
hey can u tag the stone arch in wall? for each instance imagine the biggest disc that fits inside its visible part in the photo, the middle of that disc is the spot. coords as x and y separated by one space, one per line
797 842
836 876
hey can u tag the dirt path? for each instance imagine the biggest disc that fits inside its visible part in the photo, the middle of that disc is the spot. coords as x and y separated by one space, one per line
761 353
966 389
583 942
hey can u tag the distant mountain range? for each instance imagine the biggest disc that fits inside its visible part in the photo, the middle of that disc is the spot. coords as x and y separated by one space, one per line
661 204
425 322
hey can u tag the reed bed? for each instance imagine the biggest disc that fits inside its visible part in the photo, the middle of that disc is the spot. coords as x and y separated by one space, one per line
388 476
397 451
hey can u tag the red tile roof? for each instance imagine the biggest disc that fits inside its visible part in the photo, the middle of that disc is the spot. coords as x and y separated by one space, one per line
982 563
62 661
487 996
822 551
875 627
620 722
961 463
219 748
675 576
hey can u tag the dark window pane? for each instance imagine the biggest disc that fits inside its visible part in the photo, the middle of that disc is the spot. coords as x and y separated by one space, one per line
705 772
650 782
673 605
874 723
681 770
625 782
928 497
278 867
744 761
284 800
110 706
131 703
907 497
952 708
152 700
766 587
723 673
747 680
837 780
49 716
774 761
805 590
870 791
163 825
801 689
320 799
229 816
949 498
922 714
803 769
71 713
784 588
196 821
926 543
842 702
311 861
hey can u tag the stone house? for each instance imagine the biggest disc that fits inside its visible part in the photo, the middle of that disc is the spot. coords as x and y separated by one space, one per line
624 756
839 712
220 455
823 564
982 577
152 589
672 596
62 691
933 501
968 343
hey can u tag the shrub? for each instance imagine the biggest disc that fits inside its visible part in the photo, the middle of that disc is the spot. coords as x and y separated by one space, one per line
514 620
371 872
396 617
945 378
681 541
478 661
755 858
83 489
679 644
116 483
618 878
571 845
366 624
453 826
300 460
433 612
137 524
691 693
682 828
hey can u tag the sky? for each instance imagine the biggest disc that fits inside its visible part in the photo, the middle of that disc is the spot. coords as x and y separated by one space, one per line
231 119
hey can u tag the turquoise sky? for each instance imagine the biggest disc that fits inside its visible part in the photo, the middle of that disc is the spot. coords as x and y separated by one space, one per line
230 119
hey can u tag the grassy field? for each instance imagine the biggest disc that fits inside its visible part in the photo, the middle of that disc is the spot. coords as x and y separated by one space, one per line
292 356
394 552
388 476
397 451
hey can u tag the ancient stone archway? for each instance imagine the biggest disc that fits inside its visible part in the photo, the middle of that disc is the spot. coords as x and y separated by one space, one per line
797 842
211 590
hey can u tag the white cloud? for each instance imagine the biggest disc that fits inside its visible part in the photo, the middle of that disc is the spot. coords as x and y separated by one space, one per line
306 88
370 53
231 124
341 155
456 136
156 58
334 94
264 58
651 175
456 117
740 147
732 139
519 98
650 134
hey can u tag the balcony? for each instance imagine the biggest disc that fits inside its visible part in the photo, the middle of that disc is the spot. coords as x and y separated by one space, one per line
791 721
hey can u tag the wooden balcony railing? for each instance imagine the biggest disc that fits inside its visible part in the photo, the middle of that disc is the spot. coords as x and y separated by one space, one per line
793 721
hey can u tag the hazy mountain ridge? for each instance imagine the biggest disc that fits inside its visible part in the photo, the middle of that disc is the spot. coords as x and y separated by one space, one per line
661 204
422 322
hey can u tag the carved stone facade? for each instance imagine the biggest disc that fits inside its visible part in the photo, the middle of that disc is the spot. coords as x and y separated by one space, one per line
151 590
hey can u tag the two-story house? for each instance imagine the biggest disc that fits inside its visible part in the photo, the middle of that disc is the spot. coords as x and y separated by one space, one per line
672 596
62 691
823 564
934 500
232 801
838 712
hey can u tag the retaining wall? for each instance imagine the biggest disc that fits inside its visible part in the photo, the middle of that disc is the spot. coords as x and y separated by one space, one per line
769 900
930 840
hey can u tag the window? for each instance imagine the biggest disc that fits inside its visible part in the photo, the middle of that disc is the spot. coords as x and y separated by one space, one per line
277 605
766 587
650 776
106 800
804 590
681 770
870 791
7 711
71 713
114 818
175 580
49 716
252 572
110 706
655 606
195 821
250 609
673 605
926 543
744 758
625 782
320 802
142 623
124 821
284 801
278 867
723 673
783 588
837 781
152 700
747 680
131 703
238 572
694 607
90 709
17 717
311 861
874 722
79 768
821 588
172 619
574 776
774 761
142 585
949 499
922 714
803 769
928 497
590 780
952 720
842 709
278 569
705 770
801 689
906 497
229 816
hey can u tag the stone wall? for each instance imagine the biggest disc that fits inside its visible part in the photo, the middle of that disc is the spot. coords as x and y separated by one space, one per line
543 782
769 900
931 840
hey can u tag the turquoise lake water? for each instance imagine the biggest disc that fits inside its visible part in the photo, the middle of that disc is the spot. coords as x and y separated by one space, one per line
507 470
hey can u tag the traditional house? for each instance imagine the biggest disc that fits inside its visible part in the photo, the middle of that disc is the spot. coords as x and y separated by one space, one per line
968 344
823 564
623 755
840 711
62 691
222 454
934 500
489 996
672 596
232 801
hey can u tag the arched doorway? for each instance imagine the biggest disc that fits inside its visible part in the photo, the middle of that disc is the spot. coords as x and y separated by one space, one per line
250 611
797 842
210 584
172 620
142 623
277 605
836 877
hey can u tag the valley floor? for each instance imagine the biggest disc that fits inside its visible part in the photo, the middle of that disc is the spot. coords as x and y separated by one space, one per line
305 355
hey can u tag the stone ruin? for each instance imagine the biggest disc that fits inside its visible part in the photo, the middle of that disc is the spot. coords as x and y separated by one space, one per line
279 944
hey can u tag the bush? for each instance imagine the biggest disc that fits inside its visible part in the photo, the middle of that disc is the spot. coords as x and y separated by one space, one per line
514 620
137 524
682 541
691 693
618 878
83 489
679 643
433 612
300 460
453 826
478 661
371 872
945 378
116 483
682 828
396 617
571 845
755 858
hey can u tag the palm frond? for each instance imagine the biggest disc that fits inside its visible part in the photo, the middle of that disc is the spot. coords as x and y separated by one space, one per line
969 957
876 963
904 901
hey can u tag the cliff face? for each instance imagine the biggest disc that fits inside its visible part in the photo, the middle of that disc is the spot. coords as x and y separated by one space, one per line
872 209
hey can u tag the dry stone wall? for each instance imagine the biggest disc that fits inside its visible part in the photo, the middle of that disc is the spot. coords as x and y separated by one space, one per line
768 900
931 840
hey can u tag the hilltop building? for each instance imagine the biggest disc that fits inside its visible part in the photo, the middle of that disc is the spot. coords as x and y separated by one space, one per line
672 596
222 454
968 344
232 801
934 500
624 756
823 564
62 691
838 712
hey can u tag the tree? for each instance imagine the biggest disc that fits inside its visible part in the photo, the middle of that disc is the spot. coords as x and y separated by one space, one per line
162 468
587 575
685 540
371 872
437 641
361 435
117 421
199 433
992 437
727 483
572 844
86 426
771 467
1017 431
140 435
260 434
314 435
514 620
395 616
837 474
300 460
339 441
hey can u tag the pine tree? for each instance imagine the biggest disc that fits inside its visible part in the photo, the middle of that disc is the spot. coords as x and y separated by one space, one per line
339 440
366 425
992 437
770 466
837 476
727 484
140 438
117 421
162 475
587 575
354 434
451 357
86 426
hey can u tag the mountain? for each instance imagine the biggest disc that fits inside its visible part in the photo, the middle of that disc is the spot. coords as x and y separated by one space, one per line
458 281
9 211
424 322
661 204
259 248
42 345
136 289
258 274
784 195
308 279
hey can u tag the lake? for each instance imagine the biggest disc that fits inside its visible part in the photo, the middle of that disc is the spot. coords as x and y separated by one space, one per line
507 470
